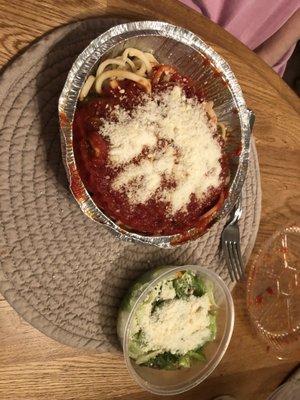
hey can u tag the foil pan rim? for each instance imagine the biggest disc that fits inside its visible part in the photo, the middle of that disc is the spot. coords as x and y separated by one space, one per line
68 101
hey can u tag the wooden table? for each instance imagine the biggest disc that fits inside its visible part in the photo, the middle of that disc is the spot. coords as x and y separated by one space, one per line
33 366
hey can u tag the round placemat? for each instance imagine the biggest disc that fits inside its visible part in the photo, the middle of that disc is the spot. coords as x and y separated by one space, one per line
62 272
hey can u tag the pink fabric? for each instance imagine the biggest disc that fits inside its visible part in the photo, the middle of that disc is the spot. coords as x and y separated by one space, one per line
251 21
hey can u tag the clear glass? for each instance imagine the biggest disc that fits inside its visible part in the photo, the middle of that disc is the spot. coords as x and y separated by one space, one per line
177 381
273 292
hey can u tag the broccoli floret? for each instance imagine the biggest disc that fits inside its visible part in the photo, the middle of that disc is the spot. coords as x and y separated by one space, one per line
169 361
165 360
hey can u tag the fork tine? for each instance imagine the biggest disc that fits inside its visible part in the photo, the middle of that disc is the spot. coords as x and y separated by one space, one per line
227 257
238 255
231 244
233 261
237 261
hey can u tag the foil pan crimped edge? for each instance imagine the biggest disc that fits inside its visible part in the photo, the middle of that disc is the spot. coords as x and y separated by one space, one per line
83 65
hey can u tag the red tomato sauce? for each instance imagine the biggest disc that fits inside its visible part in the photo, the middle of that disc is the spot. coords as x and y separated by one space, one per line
91 151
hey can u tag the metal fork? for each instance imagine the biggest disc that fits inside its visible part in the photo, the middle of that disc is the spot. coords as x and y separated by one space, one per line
230 239
231 245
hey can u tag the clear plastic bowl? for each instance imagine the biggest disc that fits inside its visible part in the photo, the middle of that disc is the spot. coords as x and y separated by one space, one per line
173 382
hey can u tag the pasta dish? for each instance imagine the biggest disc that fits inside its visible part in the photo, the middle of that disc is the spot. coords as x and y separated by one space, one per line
149 147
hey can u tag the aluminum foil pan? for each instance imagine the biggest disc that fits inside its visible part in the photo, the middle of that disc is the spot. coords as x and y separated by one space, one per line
193 57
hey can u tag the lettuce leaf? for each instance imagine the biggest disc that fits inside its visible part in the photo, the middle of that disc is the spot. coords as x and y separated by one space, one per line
187 284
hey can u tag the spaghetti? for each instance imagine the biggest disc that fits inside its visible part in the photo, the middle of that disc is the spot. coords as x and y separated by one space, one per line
148 147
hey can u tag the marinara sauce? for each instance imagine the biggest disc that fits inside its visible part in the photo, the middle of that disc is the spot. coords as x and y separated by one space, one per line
91 151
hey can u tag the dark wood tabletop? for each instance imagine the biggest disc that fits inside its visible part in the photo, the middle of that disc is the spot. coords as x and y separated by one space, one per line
32 366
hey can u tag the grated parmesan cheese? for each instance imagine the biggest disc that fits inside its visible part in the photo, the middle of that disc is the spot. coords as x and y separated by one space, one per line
185 321
174 141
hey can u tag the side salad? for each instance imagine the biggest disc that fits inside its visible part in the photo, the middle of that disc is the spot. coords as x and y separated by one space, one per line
173 324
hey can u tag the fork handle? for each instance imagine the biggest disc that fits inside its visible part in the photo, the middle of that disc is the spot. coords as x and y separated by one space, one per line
235 213
251 119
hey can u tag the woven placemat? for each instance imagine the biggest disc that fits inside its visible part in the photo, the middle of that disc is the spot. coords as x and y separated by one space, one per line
62 272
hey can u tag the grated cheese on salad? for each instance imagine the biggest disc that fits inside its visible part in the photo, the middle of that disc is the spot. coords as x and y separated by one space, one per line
179 326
